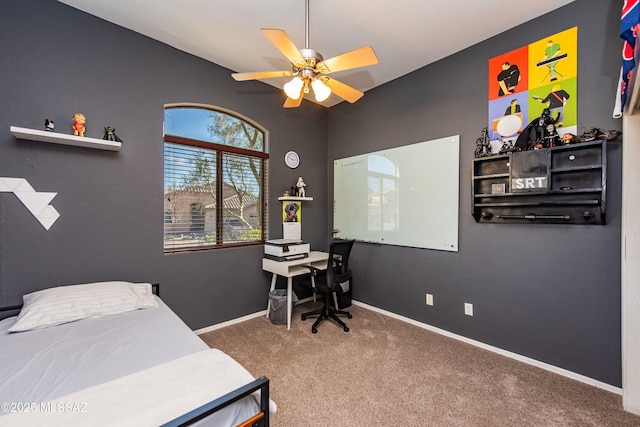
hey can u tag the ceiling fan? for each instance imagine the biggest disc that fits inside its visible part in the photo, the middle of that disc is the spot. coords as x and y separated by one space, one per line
309 69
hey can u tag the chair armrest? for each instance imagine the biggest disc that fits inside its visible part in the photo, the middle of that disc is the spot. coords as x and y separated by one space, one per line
313 270
344 276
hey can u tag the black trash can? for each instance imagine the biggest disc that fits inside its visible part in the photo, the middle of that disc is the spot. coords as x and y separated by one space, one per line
278 306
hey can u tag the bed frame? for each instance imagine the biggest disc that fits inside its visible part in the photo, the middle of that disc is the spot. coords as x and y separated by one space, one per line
9 311
261 419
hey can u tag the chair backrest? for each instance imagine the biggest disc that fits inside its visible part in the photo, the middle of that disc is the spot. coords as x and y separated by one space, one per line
339 252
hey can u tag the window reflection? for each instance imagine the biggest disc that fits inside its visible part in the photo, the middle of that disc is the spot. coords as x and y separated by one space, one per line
382 187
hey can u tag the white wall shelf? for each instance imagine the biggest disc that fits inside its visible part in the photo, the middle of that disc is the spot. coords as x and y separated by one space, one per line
65 139
293 198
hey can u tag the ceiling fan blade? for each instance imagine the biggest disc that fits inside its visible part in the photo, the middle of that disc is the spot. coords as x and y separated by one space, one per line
293 103
281 40
353 59
257 75
342 90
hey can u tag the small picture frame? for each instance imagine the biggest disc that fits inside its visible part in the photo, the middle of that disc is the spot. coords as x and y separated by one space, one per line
498 188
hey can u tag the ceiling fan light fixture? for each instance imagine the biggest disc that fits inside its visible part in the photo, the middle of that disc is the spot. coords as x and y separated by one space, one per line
293 87
309 70
321 90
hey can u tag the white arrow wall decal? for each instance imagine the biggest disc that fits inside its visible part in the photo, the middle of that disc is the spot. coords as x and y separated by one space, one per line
36 202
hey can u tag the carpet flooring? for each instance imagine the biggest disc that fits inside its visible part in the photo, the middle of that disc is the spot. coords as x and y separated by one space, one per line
386 372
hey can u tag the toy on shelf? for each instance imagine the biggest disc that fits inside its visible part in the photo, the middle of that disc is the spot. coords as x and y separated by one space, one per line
49 125
110 134
592 134
538 133
569 138
300 187
483 147
78 124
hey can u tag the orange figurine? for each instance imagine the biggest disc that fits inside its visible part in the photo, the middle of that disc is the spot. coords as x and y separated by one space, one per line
78 124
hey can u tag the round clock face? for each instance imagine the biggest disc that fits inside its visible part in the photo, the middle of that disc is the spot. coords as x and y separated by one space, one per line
292 159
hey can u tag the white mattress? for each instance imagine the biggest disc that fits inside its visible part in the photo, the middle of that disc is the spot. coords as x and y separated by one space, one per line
46 364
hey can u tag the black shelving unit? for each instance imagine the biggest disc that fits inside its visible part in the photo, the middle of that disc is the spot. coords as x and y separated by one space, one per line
558 185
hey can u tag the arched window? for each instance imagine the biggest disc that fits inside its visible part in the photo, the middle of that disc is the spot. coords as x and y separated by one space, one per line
214 179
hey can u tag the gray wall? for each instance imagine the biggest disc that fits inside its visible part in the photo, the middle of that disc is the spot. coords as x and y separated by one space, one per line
56 61
549 292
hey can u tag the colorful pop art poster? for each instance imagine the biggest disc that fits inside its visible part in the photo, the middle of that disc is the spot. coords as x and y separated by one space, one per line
527 80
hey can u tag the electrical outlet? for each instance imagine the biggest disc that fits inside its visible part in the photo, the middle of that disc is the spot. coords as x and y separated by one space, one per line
468 309
429 299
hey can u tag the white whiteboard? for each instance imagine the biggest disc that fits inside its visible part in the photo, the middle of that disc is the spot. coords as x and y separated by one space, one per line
406 196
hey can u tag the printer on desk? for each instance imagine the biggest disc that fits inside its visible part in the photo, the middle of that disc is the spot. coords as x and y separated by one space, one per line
286 249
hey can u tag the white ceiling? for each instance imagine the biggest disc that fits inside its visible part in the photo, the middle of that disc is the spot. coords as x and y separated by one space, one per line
406 34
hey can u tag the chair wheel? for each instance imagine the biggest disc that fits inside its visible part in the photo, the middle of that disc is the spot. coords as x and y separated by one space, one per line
346 329
349 316
304 317
314 331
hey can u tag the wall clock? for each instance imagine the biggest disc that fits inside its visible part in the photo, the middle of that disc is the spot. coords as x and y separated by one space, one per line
292 159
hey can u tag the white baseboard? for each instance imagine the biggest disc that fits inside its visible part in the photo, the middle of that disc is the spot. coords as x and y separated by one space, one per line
230 322
240 319
527 360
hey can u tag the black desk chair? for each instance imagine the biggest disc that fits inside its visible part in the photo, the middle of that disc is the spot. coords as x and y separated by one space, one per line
328 281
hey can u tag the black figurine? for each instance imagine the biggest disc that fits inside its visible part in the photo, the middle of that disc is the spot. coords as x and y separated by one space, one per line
551 137
110 134
538 134
506 146
49 125
483 146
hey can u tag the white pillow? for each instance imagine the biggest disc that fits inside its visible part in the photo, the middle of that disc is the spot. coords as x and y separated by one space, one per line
144 292
64 304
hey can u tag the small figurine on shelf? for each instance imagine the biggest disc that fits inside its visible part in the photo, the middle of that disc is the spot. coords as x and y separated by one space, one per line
506 147
110 134
551 137
545 132
78 124
536 134
592 134
568 138
49 125
300 187
483 146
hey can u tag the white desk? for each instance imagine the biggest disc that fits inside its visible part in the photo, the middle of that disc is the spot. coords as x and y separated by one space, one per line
290 269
